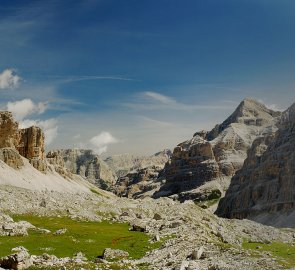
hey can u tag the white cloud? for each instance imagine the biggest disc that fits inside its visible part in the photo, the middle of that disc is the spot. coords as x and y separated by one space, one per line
101 141
8 79
159 97
49 127
23 108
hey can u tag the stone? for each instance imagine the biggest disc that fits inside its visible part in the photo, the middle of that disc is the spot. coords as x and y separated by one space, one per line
192 265
109 254
61 231
157 216
198 254
18 261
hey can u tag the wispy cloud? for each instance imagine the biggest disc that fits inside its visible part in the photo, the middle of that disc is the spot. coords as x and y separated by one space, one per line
69 79
150 100
155 122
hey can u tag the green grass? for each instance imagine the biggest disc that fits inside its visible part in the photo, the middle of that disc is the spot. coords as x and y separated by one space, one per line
285 253
91 238
206 204
95 191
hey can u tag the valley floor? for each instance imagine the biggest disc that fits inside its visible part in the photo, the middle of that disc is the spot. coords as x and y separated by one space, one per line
165 234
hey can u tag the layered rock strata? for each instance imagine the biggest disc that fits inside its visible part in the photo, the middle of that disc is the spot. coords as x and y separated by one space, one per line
216 155
84 163
15 143
264 189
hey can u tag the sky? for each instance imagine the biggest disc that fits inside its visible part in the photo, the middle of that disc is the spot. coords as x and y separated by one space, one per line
129 76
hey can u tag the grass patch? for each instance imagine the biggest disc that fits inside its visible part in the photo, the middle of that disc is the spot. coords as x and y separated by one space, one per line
95 191
285 253
91 238
206 204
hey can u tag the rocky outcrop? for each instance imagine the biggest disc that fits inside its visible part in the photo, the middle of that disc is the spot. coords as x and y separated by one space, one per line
123 164
84 163
55 158
31 146
141 179
14 142
218 154
11 157
264 189
9 130
138 183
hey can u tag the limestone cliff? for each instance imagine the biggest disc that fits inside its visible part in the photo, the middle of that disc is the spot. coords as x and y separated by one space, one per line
215 156
125 163
15 143
138 175
31 146
84 163
9 130
264 189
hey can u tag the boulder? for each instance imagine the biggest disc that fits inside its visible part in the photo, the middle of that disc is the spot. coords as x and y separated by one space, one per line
110 254
18 261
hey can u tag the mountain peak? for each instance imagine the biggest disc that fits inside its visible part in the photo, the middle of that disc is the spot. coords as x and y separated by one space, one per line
249 112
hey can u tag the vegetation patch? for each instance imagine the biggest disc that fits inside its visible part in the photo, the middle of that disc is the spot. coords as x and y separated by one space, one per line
284 252
95 191
90 238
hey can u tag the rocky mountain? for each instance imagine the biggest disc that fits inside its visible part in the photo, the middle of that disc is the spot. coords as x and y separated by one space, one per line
123 164
264 188
138 176
138 183
207 162
23 163
177 235
15 142
86 164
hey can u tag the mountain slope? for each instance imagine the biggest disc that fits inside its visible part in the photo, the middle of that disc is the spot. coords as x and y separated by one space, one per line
264 189
210 159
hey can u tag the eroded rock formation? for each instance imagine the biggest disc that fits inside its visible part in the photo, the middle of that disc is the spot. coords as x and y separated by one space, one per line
218 154
31 146
15 143
84 163
141 173
264 188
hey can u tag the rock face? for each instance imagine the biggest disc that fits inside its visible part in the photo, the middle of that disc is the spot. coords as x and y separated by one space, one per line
141 179
138 183
11 157
31 146
84 163
215 156
123 164
264 189
9 130
28 143
55 158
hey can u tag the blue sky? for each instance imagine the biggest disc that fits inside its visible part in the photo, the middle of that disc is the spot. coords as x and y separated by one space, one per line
138 76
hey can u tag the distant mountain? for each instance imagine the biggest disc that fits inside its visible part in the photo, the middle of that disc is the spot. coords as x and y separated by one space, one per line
137 176
125 163
208 161
264 188
86 164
